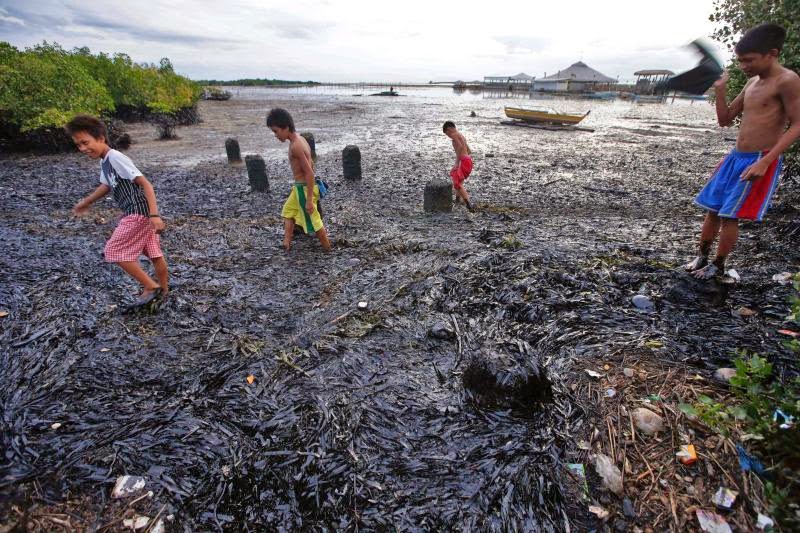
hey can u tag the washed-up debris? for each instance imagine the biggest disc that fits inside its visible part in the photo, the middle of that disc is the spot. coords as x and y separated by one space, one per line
764 522
789 332
643 302
127 485
593 373
712 522
599 512
732 275
55 425
250 379
724 498
724 374
784 278
3 314
139 522
748 462
628 372
687 454
579 471
606 469
363 305
647 421
610 393
785 421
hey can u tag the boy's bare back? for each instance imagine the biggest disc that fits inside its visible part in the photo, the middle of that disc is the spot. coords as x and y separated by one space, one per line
299 151
767 105
460 145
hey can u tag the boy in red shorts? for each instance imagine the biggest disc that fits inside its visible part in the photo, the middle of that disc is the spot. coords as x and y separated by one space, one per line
137 232
463 166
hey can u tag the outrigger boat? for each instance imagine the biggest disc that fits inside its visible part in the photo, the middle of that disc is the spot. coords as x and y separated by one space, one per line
543 115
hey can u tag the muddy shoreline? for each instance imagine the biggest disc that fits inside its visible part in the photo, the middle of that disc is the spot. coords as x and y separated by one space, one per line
359 418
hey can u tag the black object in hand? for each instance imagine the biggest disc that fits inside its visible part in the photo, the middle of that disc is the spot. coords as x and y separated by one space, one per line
701 77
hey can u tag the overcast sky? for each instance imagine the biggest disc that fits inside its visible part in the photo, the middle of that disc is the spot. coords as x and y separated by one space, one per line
370 40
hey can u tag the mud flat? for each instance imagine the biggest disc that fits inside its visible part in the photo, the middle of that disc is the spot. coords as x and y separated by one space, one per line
358 418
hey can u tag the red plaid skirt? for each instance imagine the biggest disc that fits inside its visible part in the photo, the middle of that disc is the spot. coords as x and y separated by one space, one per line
133 237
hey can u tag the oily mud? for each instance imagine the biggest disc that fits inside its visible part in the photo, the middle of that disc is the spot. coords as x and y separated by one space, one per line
263 396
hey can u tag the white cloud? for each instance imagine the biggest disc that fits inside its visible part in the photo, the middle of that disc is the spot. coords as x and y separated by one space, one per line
348 40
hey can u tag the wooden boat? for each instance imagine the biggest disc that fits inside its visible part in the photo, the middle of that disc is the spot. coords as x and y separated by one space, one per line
543 115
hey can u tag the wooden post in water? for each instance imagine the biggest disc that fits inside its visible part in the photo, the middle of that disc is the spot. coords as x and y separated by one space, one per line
257 173
351 162
233 151
438 196
309 137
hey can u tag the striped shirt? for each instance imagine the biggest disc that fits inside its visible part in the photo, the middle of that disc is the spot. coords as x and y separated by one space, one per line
118 172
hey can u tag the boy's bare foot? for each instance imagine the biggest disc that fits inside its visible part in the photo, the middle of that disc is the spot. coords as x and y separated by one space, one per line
287 246
146 297
696 264
470 207
707 272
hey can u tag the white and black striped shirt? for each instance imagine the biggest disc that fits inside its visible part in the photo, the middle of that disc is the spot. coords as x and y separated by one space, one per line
118 172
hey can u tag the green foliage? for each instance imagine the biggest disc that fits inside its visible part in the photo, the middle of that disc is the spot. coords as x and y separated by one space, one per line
246 82
734 17
44 86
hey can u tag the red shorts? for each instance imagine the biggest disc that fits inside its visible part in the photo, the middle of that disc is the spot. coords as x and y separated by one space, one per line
133 237
462 172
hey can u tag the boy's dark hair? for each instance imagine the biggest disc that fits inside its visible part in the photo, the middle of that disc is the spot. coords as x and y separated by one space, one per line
761 39
448 124
91 125
280 118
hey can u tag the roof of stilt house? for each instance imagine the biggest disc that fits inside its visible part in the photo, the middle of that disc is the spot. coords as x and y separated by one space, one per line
521 77
580 72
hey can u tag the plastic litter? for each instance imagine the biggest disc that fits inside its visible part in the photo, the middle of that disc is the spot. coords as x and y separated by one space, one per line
593 374
612 477
55 425
784 278
598 511
610 393
687 454
3 314
363 305
732 274
785 421
747 462
647 421
712 522
724 498
250 379
724 374
764 522
789 332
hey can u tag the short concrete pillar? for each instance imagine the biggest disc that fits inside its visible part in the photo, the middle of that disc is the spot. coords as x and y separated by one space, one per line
232 149
257 173
438 196
309 137
351 162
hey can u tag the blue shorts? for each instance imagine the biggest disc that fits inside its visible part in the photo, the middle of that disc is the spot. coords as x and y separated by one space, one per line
731 197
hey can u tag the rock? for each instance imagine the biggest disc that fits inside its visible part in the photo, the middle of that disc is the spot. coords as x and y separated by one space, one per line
724 374
233 151
472 114
363 305
643 302
628 509
127 485
647 421
438 196
628 372
351 162
257 173
612 477
442 330
312 144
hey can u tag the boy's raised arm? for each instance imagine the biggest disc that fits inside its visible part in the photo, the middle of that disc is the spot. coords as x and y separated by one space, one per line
726 114
84 204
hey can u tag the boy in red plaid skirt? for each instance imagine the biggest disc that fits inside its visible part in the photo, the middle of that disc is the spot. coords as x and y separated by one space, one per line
138 230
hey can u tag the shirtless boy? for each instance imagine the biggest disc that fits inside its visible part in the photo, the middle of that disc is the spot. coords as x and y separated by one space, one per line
744 182
463 166
301 206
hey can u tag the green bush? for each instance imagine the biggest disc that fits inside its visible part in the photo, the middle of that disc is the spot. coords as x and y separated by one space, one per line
44 86
734 17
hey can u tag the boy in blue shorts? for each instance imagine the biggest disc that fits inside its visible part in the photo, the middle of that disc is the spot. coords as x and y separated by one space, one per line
745 180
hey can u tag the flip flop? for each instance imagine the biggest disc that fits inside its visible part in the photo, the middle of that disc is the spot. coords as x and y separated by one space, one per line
696 264
143 301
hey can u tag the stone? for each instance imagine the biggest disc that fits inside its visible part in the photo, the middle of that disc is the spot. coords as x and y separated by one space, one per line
127 485
628 372
312 144
724 374
438 196
233 151
627 508
257 173
647 421
351 162
643 302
